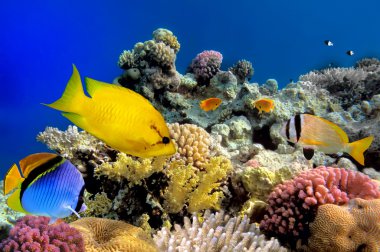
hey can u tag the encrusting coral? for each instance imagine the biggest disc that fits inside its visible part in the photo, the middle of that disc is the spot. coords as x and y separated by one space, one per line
32 233
293 204
344 229
105 235
215 232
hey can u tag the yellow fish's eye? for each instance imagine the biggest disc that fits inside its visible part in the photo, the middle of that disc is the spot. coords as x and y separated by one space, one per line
165 140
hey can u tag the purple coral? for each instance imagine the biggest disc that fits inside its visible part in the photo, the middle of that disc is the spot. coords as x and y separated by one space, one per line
34 234
205 65
293 204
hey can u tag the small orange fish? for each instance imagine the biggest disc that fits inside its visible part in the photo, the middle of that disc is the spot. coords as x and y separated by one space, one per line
264 104
210 104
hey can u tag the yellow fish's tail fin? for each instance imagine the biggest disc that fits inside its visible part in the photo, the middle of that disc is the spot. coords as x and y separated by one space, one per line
357 148
12 179
73 96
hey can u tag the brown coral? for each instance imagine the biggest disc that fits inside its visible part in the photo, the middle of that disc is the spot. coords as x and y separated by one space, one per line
167 37
103 235
193 143
335 229
160 53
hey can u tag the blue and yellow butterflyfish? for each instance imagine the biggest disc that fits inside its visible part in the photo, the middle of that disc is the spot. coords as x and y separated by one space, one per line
46 185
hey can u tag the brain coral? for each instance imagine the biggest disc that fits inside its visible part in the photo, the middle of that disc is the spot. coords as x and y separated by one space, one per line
205 65
104 235
193 143
34 234
338 228
293 203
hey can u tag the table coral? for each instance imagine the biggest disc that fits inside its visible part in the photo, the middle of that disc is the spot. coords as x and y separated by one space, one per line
293 203
35 234
345 229
105 235
217 232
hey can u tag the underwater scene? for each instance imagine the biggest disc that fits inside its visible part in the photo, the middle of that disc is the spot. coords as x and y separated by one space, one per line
186 126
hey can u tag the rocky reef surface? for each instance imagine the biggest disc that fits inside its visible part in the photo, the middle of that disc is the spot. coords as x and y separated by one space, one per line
234 180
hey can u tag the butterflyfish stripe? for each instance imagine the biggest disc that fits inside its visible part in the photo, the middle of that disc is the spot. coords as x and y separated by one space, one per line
287 129
80 200
52 163
297 122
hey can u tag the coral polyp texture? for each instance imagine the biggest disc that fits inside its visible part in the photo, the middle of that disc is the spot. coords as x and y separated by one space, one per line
32 233
243 70
346 228
215 232
293 204
104 235
205 65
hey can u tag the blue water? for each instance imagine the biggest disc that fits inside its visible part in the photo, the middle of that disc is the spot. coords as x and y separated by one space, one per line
41 39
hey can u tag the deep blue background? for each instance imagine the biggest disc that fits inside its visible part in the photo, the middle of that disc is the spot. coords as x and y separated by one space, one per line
39 40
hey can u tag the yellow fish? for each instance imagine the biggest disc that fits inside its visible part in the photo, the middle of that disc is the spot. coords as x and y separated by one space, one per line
313 132
120 117
210 104
264 104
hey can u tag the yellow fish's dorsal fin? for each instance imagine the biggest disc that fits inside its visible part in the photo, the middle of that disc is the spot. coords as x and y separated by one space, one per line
33 161
92 86
14 201
343 136
12 179
73 96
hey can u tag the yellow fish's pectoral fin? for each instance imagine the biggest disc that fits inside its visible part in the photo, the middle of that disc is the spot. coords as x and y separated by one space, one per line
12 179
73 96
33 161
312 142
76 119
357 148
14 201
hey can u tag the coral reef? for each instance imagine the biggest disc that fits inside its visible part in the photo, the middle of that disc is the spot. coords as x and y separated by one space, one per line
34 234
338 228
7 216
292 205
217 232
243 70
205 65
104 235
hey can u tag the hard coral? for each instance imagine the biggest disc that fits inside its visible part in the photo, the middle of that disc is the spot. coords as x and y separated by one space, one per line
193 143
243 70
104 235
167 37
338 228
217 232
35 234
292 204
205 65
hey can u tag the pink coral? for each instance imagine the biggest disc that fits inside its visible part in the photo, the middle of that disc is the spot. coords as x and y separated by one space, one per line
293 204
205 65
34 234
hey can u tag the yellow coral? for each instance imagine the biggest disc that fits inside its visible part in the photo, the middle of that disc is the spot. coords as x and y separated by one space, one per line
198 188
104 235
193 143
132 169
167 37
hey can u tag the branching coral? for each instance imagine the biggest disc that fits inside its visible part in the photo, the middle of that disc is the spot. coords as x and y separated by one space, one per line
167 37
243 70
205 65
35 234
293 204
338 228
218 232
198 188
104 235
130 168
